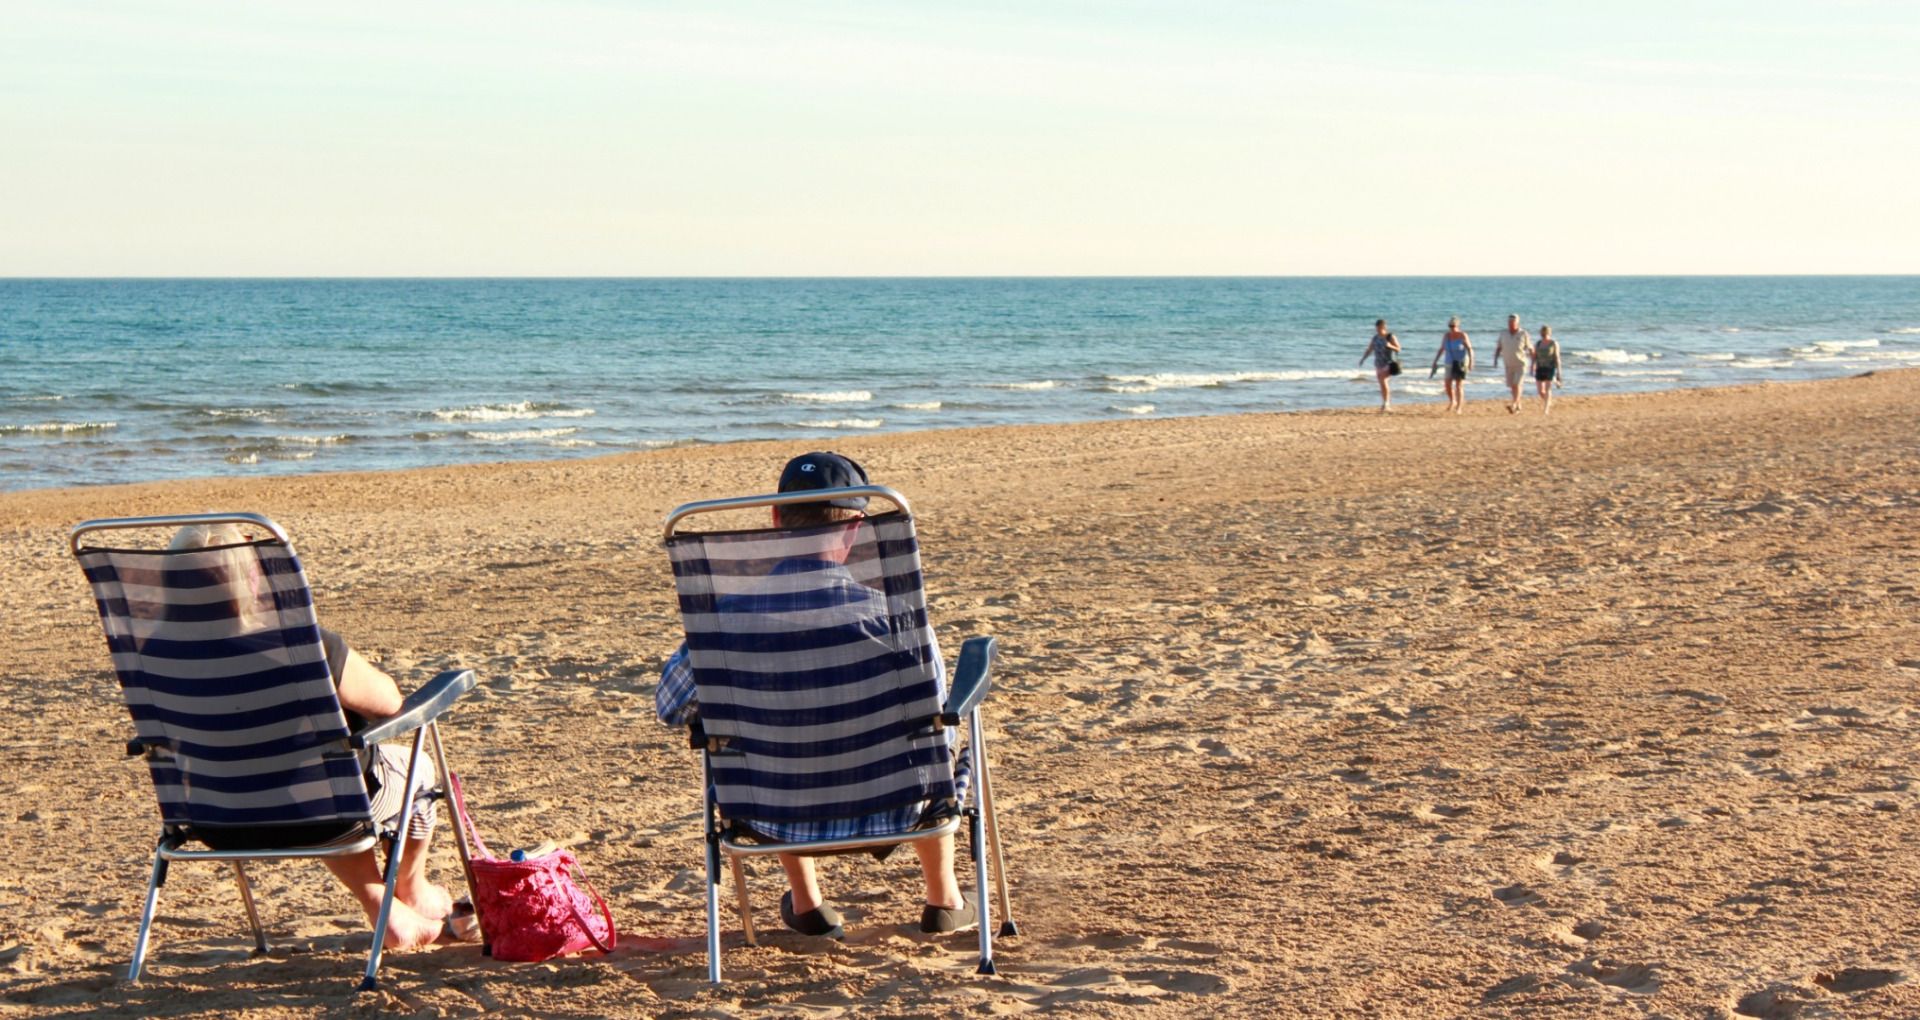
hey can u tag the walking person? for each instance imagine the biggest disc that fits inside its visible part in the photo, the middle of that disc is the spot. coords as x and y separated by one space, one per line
1546 368
1512 352
1385 349
1457 348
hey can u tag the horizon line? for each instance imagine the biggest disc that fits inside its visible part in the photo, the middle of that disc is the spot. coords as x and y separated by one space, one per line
103 278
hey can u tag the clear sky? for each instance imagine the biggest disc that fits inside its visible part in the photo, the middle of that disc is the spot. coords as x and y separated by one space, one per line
574 137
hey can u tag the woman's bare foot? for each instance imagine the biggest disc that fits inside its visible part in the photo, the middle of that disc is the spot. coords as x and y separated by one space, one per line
427 899
407 929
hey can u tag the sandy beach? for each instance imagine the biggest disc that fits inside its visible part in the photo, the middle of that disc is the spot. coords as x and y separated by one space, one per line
1324 714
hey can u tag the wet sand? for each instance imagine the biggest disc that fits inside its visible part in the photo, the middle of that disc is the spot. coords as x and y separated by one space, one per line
1329 714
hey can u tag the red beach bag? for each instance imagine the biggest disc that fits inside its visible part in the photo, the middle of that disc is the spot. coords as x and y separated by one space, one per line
531 910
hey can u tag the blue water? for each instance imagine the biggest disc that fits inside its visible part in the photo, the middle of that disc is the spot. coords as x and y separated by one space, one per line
128 380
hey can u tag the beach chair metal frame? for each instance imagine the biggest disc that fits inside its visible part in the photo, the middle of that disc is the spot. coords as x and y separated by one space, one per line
971 680
419 714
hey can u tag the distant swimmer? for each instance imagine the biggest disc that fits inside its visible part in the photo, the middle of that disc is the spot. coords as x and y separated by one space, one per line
1457 349
1385 350
1546 368
1511 352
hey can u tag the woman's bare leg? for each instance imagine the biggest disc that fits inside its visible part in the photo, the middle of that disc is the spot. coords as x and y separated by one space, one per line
360 873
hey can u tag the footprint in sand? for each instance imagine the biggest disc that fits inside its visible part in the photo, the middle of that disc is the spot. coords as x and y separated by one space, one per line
1637 978
1518 895
1859 979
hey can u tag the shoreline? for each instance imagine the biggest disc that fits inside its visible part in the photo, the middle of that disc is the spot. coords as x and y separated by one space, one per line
1406 405
1296 714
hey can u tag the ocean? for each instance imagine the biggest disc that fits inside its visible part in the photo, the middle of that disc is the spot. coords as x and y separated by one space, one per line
106 381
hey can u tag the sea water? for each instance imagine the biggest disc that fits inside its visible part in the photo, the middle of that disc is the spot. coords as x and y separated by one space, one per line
128 380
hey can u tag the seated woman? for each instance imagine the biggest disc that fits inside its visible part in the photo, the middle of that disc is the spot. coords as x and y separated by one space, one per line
423 912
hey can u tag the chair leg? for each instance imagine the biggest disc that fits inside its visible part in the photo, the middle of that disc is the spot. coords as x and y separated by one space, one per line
155 880
1007 927
253 914
396 851
713 877
461 835
977 837
740 893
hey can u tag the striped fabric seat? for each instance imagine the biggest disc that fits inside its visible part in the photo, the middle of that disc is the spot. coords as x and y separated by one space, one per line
815 664
220 663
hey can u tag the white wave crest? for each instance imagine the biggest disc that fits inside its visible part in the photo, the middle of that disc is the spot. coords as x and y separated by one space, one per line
1642 373
518 411
519 435
918 405
567 444
1716 356
243 458
842 423
236 412
1611 356
1905 331
831 397
44 398
58 428
1835 346
1197 380
1763 362
1133 408
313 440
1041 384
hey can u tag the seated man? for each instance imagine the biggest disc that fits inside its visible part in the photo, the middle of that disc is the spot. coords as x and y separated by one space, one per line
423 911
804 909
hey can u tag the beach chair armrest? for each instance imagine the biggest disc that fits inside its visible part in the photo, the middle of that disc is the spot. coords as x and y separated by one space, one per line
421 707
970 679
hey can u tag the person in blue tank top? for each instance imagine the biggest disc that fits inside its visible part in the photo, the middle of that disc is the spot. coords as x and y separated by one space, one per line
1457 350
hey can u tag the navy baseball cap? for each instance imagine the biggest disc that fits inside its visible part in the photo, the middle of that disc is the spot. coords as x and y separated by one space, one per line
825 471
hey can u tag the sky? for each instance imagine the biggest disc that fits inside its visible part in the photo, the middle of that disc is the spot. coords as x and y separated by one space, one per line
1027 137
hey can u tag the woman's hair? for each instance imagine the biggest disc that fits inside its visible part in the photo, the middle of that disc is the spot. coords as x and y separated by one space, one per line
1453 322
230 551
1546 330
1379 324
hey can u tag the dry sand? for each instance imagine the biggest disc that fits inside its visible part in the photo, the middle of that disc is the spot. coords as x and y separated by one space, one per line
1608 714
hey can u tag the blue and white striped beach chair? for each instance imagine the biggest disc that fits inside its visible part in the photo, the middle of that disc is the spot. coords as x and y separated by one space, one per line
817 675
235 711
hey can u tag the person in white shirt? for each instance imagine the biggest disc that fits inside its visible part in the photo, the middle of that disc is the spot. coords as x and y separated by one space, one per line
1512 352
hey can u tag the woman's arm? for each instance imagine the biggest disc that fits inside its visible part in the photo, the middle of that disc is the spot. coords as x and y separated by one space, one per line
366 689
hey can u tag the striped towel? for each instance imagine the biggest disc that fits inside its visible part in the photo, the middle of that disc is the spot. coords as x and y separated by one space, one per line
814 661
220 663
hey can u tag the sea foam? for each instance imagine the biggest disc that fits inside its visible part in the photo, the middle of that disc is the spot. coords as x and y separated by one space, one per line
58 428
519 435
1611 356
831 397
842 423
522 410
1203 380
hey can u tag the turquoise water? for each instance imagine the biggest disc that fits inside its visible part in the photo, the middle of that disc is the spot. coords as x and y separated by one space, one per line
129 380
